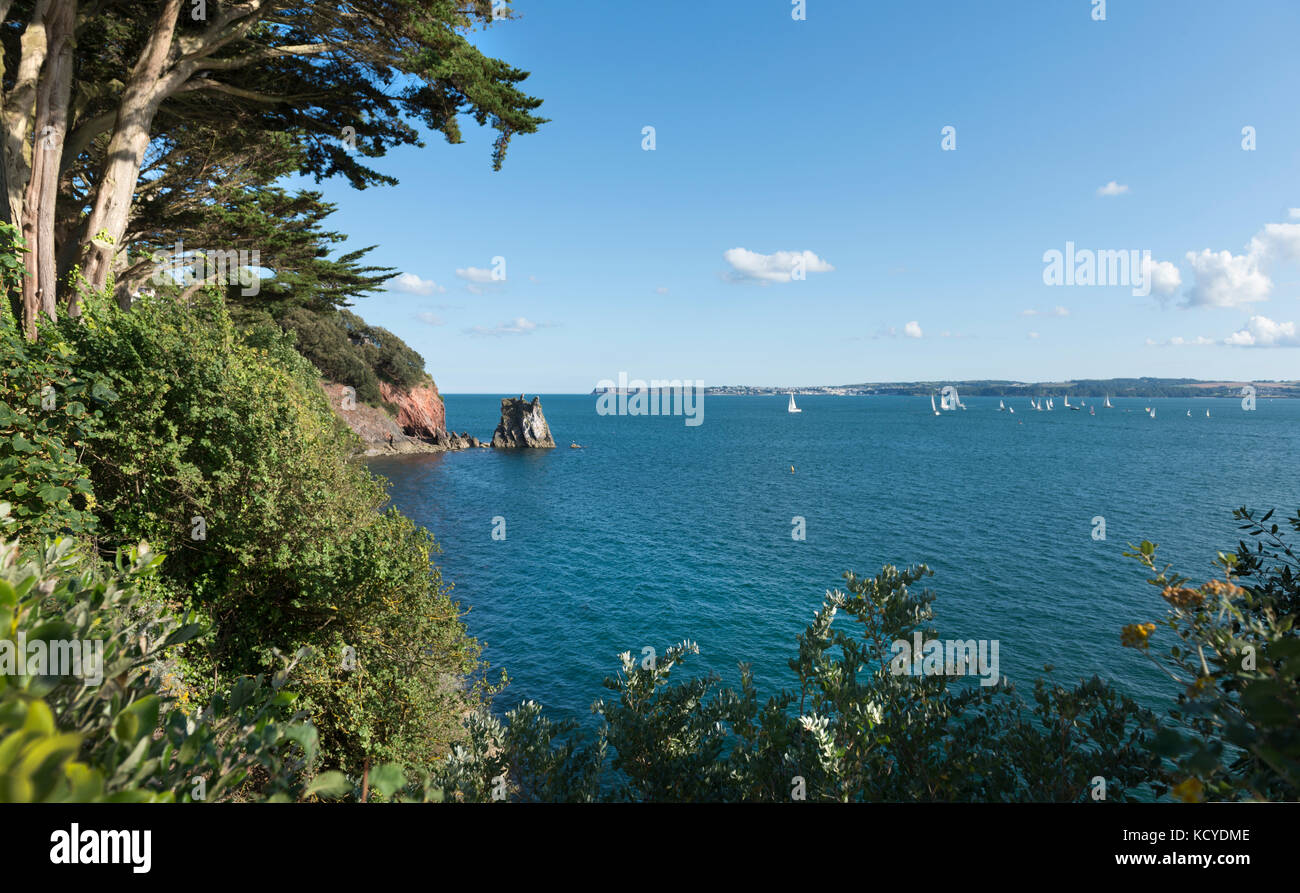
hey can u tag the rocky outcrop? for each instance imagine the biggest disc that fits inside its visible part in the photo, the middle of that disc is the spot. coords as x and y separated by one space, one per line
417 428
522 425
420 412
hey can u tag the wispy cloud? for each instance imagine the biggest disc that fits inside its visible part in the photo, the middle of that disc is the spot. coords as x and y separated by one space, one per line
517 326
781 266
1055 311
474 274
1113 188
432 319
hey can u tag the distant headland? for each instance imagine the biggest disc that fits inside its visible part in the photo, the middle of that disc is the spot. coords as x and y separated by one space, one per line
1098 387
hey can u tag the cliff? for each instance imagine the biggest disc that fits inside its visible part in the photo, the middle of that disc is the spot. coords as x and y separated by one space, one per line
522 425
418 427
420 412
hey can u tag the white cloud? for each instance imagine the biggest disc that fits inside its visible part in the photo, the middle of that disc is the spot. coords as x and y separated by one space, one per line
517 326
778 267
1224 279
1112 188
1261 331
1164 277
474 274
432 319
412 284
1033 336
912 329
1295 213
661 290
1277 240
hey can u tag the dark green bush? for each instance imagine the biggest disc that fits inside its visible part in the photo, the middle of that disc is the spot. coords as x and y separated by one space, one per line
225 454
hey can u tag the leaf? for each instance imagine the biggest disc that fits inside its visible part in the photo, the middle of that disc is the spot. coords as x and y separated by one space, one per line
329 784
387 779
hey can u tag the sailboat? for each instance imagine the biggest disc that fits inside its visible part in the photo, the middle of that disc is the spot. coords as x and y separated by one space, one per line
1067 402
1207 413
932 409
1189 413
1108 406
1153 412
1013 410
792 407
1002 407
1092 410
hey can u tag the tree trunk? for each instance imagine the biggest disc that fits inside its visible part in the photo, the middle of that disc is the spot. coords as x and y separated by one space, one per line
19 105
49 128
145 91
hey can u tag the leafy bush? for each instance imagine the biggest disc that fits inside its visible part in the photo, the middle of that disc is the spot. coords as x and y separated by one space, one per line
43 419
129 732
347 350
1235 727
860 732
323 341
225 454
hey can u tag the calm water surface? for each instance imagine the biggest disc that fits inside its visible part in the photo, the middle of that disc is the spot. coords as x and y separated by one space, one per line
656 531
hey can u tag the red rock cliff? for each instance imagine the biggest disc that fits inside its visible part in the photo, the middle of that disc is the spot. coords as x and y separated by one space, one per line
420 412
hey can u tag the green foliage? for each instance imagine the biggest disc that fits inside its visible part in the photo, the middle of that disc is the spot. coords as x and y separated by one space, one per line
123 730
345 349
44 419
324 341
855 731
12 274
224 453
1235 727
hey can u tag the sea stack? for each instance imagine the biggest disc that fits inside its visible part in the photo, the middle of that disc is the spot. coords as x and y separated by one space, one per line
522 425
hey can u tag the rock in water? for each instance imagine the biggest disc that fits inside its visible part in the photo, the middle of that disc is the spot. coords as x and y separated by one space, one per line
522 425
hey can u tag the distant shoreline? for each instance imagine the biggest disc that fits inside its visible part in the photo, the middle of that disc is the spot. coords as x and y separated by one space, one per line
1099 388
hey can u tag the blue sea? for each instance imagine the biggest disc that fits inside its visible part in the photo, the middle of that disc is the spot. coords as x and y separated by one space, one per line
656 531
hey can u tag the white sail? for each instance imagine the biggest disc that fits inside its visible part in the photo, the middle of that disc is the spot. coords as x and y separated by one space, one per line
792 407
1108 406
932 409
1207 413
1001 406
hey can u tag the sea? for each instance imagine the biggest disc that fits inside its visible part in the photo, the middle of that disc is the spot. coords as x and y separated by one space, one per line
656 531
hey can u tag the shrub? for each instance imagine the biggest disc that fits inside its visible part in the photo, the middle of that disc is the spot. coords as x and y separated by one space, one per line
128 732
224 453
854 731
44 418
1234 731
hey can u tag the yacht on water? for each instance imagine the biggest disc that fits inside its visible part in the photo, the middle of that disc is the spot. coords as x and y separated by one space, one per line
932 408
792 407
1108 406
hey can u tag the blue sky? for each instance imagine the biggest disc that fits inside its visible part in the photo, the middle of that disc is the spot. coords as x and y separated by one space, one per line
778 137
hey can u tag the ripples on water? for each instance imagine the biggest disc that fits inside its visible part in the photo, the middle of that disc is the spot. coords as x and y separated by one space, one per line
656 531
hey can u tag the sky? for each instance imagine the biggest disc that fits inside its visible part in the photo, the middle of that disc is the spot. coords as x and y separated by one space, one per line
805 217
